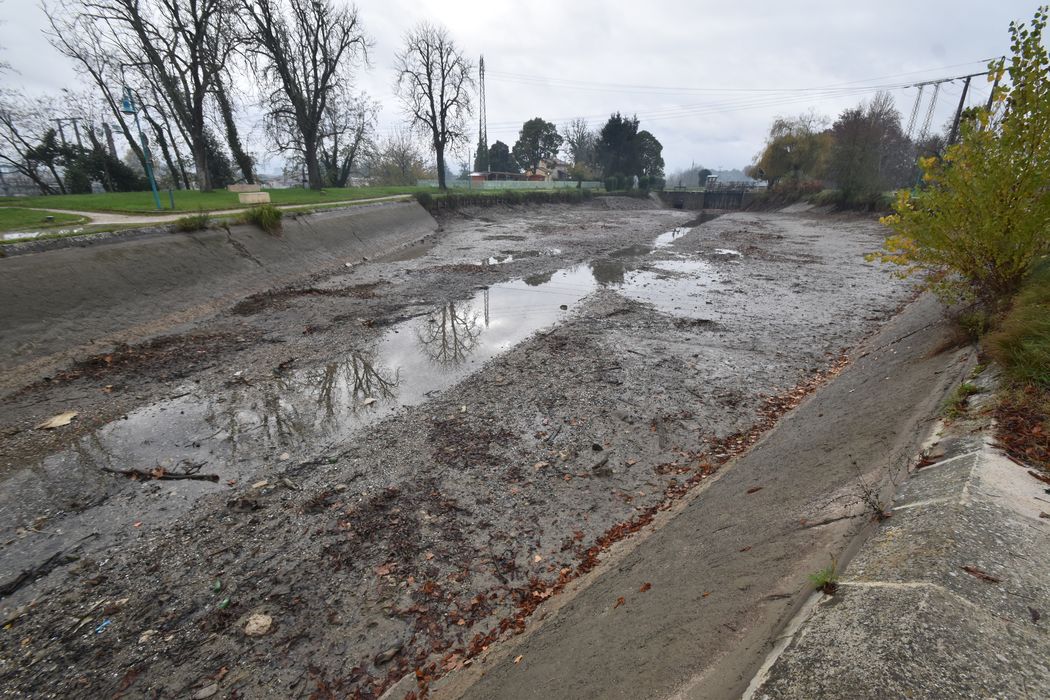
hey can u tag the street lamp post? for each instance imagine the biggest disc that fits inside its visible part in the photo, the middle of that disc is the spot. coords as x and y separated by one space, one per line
128 107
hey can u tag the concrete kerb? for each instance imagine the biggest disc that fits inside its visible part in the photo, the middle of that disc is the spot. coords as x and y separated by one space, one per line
948 598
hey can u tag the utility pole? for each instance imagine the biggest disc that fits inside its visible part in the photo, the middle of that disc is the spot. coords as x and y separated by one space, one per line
958 112
76 130
61 133
109 139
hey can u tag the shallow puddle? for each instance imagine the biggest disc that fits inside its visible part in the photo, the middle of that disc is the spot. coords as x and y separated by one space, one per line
666 239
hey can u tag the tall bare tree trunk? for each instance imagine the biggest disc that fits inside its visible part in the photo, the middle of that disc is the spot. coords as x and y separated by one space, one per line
243 160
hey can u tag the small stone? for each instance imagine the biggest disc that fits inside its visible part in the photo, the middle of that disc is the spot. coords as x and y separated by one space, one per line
206 692
258 625
384 657
146 636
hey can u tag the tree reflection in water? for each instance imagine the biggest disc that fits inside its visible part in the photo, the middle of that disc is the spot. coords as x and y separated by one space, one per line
450 334
300 404
357 375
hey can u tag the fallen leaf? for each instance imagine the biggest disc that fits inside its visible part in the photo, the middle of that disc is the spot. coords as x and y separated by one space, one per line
537 558
619 601
746 549
384 570
369 401
977 573
645 586
753 489
518 658
58 421
706 593
260 484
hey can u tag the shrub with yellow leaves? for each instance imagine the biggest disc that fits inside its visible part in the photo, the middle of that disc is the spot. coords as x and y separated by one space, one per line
981 221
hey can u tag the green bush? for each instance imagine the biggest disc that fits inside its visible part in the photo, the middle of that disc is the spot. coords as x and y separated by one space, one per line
267 217
77 179
644 183
1021 343
194 222
610 184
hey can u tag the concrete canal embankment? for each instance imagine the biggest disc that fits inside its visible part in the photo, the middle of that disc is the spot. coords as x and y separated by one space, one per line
85 297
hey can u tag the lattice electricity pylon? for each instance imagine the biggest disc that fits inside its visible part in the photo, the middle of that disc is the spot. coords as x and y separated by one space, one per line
929 113
483 130
915 111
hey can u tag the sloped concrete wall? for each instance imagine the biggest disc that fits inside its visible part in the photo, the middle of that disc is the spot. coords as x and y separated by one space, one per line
59 300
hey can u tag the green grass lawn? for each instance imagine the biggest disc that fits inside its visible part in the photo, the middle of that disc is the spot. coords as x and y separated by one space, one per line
192 200
22 219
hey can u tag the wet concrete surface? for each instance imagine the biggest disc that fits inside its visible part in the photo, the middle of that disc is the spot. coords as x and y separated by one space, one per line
394 468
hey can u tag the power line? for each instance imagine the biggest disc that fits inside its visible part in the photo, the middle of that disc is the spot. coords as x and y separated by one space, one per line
569 83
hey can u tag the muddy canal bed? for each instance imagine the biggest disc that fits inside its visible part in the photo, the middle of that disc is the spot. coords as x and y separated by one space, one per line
391 464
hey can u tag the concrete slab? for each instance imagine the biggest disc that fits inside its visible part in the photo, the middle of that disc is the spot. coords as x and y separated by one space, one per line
948 599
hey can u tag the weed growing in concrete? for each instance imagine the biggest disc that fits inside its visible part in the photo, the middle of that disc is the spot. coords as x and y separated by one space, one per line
194 222
955 405
872 499
827 579
265 216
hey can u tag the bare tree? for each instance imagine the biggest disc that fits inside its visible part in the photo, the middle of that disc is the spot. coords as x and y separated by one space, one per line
581 141
75 34
26 139
229 122
306 50
434 82
347 132
397 161
178 46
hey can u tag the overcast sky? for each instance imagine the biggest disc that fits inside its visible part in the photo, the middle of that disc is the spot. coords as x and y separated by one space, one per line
706 78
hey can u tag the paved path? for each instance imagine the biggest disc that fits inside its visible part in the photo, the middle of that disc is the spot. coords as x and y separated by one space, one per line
725 575
109 218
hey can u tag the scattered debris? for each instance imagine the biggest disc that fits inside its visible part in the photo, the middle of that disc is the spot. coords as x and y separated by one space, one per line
982 575
206 692
258 624
160 474
388 655
58 421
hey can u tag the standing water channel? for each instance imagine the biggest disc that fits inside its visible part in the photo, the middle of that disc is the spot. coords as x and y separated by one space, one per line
308 412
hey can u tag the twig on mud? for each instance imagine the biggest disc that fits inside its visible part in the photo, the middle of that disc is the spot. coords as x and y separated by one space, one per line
554 434
159 474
